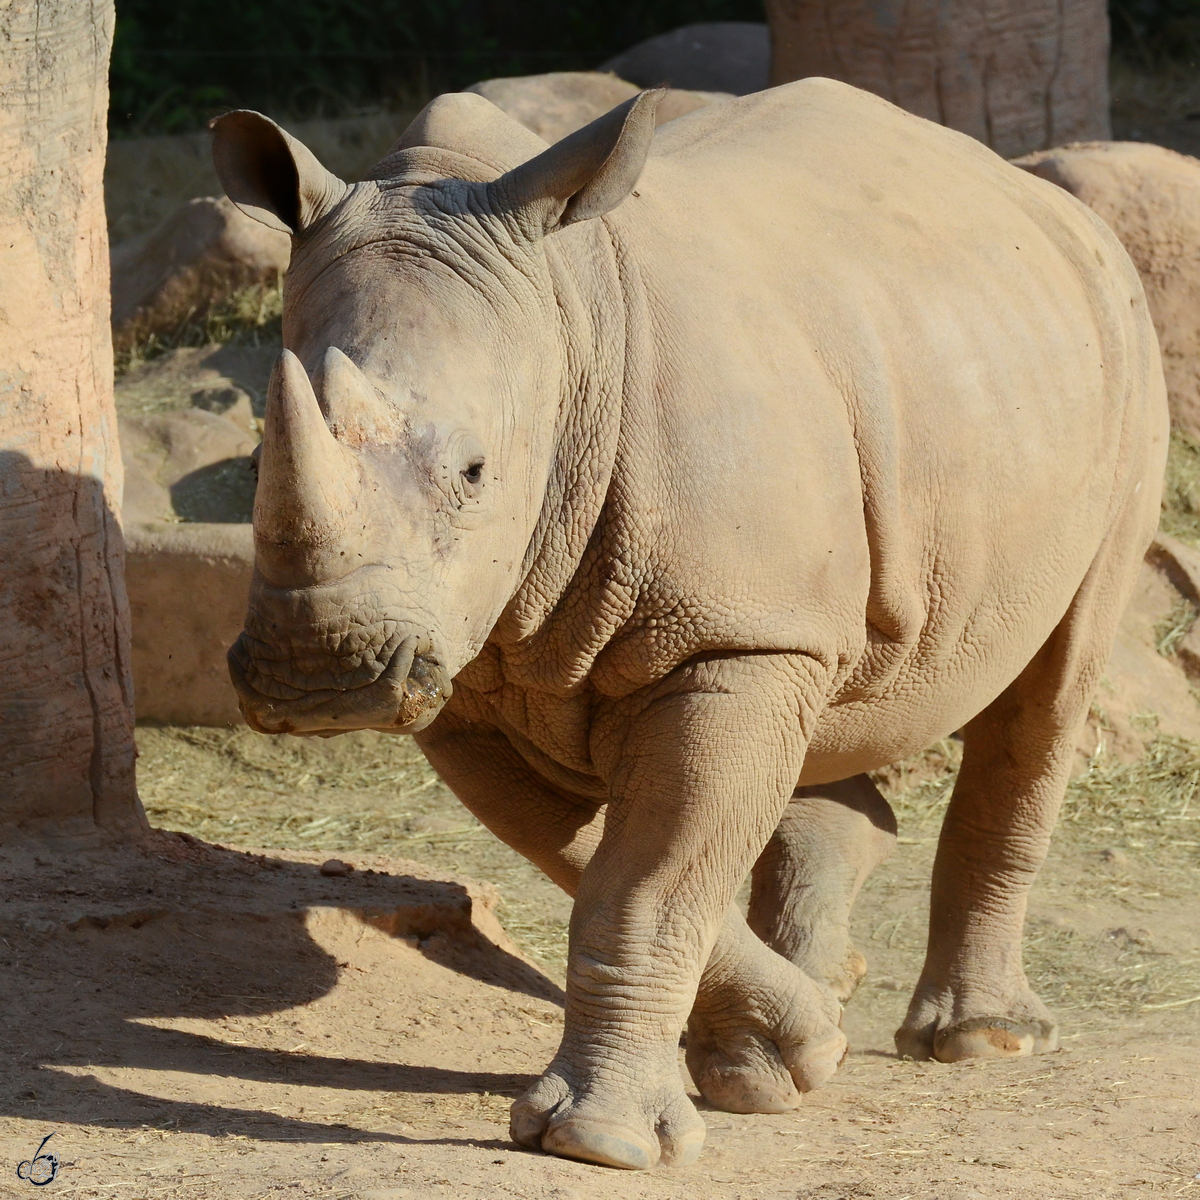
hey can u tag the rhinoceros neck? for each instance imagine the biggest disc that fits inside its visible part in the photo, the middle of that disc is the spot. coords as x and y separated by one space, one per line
542 645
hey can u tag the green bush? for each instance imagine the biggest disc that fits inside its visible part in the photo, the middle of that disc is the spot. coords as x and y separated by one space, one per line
175 65
1151 31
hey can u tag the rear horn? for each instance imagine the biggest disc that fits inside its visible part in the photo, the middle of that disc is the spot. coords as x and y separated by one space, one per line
356 412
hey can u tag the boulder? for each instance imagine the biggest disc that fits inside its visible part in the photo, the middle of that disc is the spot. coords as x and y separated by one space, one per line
560 102
188 423
200 255
216 377
723 56
191 465
188 586
189 496
1150 197
1018 76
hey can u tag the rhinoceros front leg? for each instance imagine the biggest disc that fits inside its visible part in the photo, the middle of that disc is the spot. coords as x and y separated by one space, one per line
973 1000
805 882
760 1031
699 773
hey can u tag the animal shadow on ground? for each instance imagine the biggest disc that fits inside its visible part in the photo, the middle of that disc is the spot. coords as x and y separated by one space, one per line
98 954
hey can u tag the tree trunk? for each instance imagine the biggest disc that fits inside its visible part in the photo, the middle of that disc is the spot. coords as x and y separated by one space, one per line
66 710
1020 75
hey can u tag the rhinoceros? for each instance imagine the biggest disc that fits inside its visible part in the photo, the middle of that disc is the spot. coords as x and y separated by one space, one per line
664 484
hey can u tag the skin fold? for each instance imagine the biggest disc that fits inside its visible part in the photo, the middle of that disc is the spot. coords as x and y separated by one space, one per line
664 484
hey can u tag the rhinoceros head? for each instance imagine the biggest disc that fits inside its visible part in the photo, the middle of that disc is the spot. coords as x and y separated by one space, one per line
411 420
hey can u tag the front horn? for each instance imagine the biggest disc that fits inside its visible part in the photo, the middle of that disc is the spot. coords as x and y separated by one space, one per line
308 488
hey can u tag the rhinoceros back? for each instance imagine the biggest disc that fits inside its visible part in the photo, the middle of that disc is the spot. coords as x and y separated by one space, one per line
899 393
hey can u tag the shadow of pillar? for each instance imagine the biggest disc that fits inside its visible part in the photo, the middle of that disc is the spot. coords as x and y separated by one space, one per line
94 951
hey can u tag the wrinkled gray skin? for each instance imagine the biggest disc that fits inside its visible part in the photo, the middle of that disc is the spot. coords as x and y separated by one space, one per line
715 468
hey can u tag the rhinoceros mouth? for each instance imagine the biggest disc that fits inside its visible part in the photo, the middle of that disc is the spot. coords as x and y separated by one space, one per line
404 697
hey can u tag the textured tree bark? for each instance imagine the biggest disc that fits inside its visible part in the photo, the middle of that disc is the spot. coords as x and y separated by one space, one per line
1019 75
66 711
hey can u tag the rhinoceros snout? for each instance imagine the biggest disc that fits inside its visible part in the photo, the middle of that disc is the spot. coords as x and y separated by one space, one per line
404 698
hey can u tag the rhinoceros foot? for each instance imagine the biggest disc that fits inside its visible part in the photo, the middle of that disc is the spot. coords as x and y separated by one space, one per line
633 1123
853 969
994 1037
767 1036
949 1032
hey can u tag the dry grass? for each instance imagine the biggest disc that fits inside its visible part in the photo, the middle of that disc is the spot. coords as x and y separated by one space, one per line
367 792
359 793
1129 833
251 316
1153 795
1122 974
1150 799
1181 491
1175 626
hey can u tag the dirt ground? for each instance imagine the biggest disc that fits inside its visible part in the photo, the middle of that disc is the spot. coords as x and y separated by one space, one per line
202 1024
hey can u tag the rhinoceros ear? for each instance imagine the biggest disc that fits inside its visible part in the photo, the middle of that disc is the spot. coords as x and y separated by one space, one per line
585 175
269 175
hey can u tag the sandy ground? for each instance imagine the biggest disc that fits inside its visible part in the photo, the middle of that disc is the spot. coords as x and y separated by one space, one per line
199 1024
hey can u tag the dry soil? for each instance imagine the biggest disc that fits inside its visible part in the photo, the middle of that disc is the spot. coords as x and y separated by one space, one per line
192 1023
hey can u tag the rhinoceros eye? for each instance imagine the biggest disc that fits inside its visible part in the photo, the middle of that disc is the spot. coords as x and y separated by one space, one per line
461 475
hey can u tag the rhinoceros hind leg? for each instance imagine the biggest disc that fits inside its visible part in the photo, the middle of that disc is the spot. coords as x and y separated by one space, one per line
1011 1036
973 1000
760 1032
806 880
990 1037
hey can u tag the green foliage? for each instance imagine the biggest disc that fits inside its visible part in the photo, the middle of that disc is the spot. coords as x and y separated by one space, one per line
175 65
1156 30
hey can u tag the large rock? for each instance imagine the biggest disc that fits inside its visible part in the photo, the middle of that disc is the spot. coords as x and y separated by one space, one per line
560 102
724 56
1020 75
191 465
1150 197
220 377
200 255
187 428
188 587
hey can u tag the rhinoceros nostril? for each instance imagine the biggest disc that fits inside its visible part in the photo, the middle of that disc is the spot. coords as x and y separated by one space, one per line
396 672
